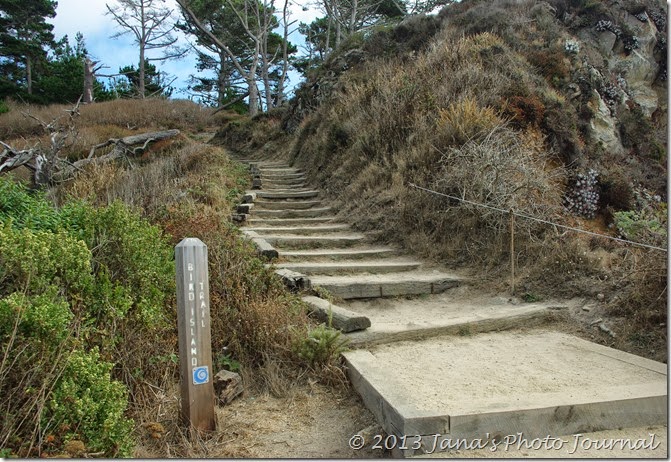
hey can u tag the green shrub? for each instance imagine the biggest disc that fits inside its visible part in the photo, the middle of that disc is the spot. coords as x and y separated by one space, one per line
35 261
26 210
322 345
132 260
91 406
75 282
46 316
3 107
648 227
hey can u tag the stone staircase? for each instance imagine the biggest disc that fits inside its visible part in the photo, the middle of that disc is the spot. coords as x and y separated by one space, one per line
430 355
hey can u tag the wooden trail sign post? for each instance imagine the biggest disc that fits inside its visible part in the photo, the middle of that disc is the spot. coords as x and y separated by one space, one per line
193 325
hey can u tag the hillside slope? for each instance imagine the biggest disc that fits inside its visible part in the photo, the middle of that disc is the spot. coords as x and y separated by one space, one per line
555 110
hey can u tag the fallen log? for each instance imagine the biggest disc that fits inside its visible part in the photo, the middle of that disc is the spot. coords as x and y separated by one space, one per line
11 158
122 147
58 169
125 144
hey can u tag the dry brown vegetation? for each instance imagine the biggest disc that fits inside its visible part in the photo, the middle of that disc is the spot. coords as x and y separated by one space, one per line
111 115
22 127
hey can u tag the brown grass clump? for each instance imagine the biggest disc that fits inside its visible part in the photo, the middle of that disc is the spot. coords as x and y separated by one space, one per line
524 111
464 120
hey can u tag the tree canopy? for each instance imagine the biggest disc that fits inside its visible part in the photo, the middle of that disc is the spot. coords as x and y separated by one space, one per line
25 38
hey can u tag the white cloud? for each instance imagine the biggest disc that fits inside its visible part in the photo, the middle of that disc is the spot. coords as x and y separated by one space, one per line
87 17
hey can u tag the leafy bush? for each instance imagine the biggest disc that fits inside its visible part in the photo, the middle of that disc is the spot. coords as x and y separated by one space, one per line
26 210
131 259
73 280
87 405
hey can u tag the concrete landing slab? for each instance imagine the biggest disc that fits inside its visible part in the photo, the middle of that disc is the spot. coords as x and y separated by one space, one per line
649 442
536 383
459 311
387 285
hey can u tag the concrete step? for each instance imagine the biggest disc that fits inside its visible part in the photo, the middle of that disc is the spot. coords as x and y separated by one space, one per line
309 213
336 316
284 180
290 221
387 285
293 241
279 170
265 186
459 311
530 384
337 254
351 267
269 164
283 184
281 176
286 204
302 230
287 194
258 162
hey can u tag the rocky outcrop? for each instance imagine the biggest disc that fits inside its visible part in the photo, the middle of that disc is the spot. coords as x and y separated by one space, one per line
604 125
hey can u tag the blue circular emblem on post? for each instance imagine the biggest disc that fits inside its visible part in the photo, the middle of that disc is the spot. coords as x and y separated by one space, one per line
201 375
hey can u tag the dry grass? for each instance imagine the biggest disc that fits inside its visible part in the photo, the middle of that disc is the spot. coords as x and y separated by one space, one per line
129 114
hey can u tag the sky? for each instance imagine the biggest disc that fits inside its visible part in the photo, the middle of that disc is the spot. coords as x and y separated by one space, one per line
88 17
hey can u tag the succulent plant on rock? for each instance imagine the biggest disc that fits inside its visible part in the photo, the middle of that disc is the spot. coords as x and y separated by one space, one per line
582 199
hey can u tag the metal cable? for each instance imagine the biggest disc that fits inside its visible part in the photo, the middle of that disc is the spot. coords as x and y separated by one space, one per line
540 220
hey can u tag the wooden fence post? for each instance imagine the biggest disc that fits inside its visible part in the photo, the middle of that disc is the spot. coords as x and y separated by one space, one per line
193 325
512 252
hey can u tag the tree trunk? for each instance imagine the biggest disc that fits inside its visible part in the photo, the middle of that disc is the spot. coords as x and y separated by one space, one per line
88 81
143 44
352 19
285 55
338 36
251 82
29 74
265 65
222 79
328 38
140 87
253 95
